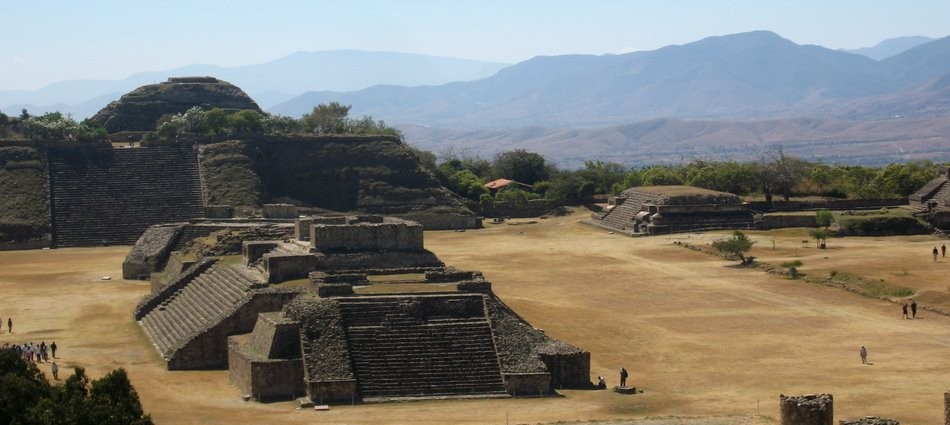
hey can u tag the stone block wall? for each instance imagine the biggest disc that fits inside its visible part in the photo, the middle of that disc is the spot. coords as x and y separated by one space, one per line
263 379
394 234
302 228
808 409
444 221
526 384
279 211
151 250
568 370
254 250
280 268
778 221
869 420
276 337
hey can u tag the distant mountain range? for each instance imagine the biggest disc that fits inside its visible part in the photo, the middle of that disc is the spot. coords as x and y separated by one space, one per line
723 97
755 75
268 83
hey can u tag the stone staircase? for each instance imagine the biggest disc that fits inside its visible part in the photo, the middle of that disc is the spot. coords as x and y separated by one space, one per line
106 195
621 216
397 353
196 307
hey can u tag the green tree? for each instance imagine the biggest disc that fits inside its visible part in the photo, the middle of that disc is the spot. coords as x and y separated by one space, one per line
246 122
467 184
824 218
513 194
735 246
820 236
660 176
604 175
113 401
216 121
327 118
521 165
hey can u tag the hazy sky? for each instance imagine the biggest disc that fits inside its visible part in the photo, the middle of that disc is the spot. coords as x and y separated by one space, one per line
47 41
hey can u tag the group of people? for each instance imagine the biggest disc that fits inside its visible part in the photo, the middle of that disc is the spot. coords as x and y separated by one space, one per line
913 310
602 383
943 252
33 353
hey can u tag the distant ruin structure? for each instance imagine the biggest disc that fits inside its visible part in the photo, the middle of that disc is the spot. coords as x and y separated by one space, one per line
71 194
667 209
140 109
810 409
289 320
933 200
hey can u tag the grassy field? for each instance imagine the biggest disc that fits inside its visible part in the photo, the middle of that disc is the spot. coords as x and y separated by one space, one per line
707 342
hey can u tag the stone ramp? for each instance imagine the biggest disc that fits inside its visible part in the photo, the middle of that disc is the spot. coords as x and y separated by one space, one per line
106 195
422 346
201 303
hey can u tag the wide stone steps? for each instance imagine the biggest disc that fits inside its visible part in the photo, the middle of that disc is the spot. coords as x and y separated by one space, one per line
105 195
196 307
396 354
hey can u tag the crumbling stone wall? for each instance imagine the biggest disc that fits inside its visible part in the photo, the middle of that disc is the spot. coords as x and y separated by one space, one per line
869 420
807 409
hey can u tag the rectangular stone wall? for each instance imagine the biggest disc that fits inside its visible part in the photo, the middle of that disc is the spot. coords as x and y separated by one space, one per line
446 221
219 211
254 250
399 236
528 383
302 228
568 370
286 267
279 211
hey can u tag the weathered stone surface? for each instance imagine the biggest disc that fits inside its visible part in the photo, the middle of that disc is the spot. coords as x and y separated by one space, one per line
151 250
869 420
809 409
140 109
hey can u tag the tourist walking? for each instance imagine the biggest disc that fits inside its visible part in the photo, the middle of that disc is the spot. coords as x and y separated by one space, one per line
864 355
904 307
913 308
9 324
55 369
935 254
623 377
943 250
52 348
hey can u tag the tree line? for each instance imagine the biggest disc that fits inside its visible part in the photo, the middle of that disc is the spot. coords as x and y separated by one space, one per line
774 175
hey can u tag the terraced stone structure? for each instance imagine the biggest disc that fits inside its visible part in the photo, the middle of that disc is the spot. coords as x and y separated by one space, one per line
933 200
140 109
322 338
667 209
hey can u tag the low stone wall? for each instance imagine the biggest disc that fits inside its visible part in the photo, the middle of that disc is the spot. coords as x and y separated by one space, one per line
279 211
808 409
528 384
826 204
342 391
446 221
869 420
283 267
366 261
393 235
779 221
532 208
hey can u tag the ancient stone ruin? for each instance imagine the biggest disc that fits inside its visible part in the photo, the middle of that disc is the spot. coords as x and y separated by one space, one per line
290 319
810 409
933 200
140 109
71 194
667 209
